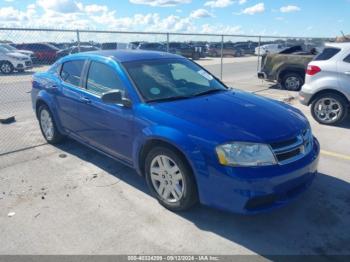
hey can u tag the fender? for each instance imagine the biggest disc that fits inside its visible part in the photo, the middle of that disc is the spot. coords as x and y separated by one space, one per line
47 98
175 138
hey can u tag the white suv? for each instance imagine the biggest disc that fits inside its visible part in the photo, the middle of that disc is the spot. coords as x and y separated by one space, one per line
327 84
10 61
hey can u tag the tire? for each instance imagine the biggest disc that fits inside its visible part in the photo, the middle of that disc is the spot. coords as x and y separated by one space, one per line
6 68
292 81
195 56
48 126
329 109
178 195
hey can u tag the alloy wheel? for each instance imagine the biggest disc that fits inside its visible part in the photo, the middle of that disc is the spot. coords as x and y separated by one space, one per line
328 110
6 68
46 124
292 83
167 178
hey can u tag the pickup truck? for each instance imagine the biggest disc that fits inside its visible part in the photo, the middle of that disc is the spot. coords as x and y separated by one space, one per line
287 68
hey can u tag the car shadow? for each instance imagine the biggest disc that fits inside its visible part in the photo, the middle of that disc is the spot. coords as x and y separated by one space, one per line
318 223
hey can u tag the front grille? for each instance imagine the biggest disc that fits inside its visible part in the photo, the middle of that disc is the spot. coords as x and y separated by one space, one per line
292 149
285 156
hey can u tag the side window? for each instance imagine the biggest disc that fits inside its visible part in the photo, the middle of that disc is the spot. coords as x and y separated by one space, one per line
327 54
102 78
347 59
71 72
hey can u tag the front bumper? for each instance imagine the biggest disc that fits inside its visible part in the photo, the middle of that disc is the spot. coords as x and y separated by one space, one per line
258 189
305 98
23 65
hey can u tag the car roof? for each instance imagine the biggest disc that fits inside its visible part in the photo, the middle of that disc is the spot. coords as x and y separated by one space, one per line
128 55
345 45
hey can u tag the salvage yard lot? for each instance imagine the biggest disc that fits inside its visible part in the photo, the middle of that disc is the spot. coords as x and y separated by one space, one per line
71 200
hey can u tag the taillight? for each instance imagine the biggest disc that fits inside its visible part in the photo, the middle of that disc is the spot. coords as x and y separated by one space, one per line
312 70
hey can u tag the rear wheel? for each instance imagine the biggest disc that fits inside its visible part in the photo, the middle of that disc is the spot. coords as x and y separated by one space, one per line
292 81
329 109
48 126
195 56
6 68
170 179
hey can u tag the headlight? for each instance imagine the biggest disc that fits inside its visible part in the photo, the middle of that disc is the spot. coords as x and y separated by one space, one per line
245 154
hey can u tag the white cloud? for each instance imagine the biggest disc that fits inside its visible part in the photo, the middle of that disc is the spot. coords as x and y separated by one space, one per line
201 13
162 3
258 8
95 8
218 3
242 2
222 29
60 6
289 9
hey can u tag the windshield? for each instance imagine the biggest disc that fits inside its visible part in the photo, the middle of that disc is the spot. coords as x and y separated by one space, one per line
8 47
171 79
4 50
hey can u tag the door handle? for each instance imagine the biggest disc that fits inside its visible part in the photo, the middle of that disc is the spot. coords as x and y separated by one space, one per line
347 73
85 100
52 88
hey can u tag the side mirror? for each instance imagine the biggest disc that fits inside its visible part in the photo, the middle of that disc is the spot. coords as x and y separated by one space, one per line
115 97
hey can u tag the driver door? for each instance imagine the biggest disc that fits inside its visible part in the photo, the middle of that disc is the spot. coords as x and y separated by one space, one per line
108 127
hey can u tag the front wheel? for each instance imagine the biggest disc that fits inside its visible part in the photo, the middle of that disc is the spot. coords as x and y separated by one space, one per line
170 179
48 126
329 109
6 68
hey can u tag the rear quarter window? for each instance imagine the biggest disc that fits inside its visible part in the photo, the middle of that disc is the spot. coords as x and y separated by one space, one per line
71 72
347 59
327 54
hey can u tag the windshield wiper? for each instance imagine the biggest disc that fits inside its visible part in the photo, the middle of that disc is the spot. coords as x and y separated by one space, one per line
210 91
172 98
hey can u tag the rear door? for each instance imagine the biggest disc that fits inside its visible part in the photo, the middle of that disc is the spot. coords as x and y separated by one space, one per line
344 73
109 127
69 95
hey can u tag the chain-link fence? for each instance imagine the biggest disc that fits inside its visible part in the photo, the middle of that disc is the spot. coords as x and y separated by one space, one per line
233 58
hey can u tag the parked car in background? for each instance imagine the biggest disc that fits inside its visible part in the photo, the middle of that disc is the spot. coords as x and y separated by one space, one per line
152 46
286 68
229 49
247 47
44 53
185 50
13 61
61 46
113 46
269 49
74 50
193 138
14 49
134 45
327 84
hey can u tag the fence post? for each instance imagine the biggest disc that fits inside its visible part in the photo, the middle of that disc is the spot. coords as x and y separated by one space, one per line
78 39
221 56
258 66
167 42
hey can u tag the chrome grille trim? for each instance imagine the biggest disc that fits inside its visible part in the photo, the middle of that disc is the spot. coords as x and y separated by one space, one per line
302 146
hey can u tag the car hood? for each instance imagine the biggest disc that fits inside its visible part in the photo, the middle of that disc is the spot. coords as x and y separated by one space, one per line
25 52
241 116
17 55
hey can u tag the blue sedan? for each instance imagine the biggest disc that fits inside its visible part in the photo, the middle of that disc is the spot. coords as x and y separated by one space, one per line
194 139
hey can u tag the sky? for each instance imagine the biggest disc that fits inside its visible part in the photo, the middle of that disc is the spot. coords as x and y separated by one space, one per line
311 18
